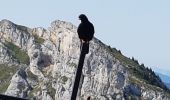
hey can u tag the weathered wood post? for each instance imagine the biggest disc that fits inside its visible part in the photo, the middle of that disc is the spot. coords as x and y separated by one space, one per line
84 51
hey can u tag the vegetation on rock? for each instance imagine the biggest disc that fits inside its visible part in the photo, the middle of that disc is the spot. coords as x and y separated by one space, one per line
138 71
38 39
16 53
6 73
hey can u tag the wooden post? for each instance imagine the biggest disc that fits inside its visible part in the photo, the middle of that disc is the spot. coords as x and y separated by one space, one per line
84 49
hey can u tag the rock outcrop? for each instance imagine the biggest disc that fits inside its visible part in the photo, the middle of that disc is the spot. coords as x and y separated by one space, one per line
50 57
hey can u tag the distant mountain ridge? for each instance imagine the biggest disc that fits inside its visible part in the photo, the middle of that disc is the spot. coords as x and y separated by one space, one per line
165 79
168 85
38 63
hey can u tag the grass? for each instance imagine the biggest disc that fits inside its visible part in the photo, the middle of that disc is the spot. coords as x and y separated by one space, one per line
3 87
18 54
118 55
95 98
134 80
139 71
6 73
38 39
35 90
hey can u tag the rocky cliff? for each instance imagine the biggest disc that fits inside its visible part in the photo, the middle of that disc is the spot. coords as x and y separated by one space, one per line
41 64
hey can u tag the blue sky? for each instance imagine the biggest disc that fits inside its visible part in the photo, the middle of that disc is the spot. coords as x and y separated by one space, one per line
139 28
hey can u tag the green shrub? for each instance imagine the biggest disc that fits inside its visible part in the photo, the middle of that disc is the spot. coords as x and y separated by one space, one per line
51 90
64 79
72 65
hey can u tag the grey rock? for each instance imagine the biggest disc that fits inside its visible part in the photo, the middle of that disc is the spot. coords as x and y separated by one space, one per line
53 64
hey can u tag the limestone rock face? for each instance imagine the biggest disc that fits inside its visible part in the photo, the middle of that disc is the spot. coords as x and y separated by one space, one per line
19 85
4 56
53 57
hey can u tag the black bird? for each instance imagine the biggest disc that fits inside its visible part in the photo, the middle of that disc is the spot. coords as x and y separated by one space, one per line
85 29
85 32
